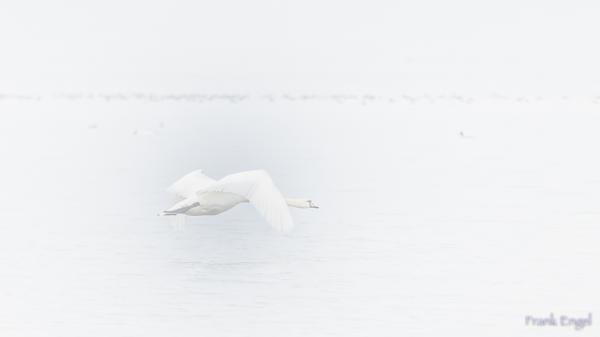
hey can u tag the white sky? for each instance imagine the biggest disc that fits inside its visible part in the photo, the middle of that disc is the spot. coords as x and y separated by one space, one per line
326 45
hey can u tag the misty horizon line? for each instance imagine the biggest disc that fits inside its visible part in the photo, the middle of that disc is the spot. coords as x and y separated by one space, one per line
235 98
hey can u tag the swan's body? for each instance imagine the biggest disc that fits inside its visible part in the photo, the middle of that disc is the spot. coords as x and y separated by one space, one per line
202 195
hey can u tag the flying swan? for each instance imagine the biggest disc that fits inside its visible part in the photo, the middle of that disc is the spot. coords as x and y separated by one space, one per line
202 195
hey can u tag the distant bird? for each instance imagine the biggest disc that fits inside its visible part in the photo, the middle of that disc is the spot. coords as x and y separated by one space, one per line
202 195
463 136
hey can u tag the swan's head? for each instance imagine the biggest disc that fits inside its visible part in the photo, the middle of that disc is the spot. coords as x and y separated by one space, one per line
311 204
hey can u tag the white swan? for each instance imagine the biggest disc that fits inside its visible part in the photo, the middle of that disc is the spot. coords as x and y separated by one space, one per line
202 195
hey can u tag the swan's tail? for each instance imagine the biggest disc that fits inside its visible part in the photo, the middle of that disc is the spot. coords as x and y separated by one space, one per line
165 213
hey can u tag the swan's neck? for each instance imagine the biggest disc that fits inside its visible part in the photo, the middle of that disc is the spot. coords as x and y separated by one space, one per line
298 203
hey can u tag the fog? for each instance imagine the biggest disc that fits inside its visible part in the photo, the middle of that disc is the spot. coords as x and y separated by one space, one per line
450 147
519 46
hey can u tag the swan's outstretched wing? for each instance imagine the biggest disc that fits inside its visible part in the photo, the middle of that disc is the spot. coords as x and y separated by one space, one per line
189 184
259 189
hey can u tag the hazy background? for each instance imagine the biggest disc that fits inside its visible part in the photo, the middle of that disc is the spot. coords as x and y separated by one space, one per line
451 147
517 46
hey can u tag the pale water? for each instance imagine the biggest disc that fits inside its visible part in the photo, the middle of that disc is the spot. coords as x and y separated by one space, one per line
422 230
